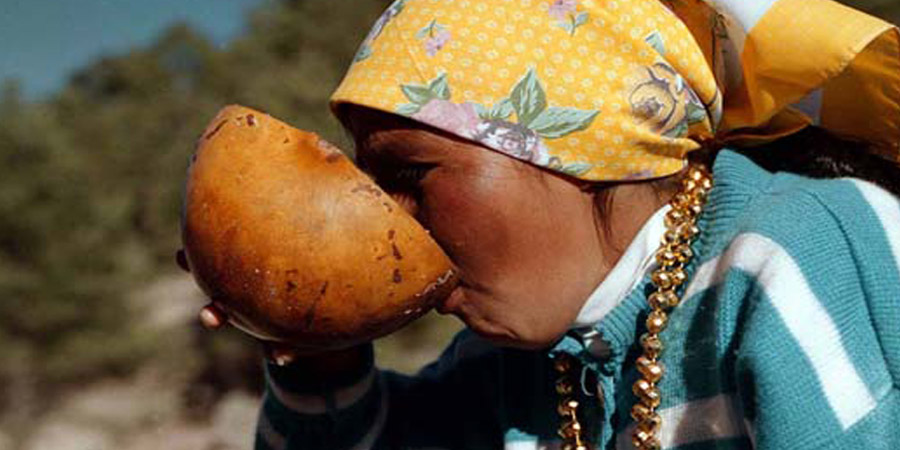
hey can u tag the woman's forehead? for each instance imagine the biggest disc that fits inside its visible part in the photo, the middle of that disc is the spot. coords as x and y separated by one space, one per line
381 132
402 143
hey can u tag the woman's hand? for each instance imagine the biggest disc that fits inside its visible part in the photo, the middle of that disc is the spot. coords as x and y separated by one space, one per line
213 317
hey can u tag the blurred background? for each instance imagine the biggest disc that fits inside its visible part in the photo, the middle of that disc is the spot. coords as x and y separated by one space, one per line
100 103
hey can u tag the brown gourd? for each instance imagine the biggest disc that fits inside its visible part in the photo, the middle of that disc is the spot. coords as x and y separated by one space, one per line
298 245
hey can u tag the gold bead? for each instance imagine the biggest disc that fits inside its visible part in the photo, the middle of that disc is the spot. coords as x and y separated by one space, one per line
647 392
644 441
638 438
640 385
569 429
681 199
663 300
563 386
656 321
562 363
690 185
697 198
674 218
684 253
562 410
697 187
662 278
652 345
651 398
687 231
573 446
671 237
651 370
675 253
640 411
702 194
678 276
566 431
666 257
650 424
696 173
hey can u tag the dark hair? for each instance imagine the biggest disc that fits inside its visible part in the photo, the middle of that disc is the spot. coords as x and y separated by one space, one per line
814 152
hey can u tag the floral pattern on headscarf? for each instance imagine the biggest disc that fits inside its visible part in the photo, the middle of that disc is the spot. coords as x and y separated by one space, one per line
566 14
365 49
662 101
660 98
494 126
670 77
436 36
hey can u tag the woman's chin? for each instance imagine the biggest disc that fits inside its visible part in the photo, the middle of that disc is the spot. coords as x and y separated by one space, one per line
495 324
497 333
506 339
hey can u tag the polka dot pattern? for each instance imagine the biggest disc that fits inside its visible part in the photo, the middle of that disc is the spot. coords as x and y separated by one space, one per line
602 90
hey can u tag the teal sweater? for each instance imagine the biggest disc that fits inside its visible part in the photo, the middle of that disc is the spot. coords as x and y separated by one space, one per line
788 338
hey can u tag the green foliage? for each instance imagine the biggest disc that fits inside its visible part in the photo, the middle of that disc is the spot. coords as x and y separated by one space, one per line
92 178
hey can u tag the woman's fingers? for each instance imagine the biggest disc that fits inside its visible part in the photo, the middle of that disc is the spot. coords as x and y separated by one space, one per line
181 260
280 354
213 318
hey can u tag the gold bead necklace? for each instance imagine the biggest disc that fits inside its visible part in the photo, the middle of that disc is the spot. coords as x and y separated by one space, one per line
570 427
673 255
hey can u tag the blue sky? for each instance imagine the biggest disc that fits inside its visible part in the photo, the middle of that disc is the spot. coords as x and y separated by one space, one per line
42 41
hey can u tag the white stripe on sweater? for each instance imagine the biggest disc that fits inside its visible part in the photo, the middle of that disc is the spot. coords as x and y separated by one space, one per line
520 445
317 403
275 441
805 318
715 417
533 445
887 208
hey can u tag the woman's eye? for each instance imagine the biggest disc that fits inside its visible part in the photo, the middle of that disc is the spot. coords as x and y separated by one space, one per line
406 177
412 174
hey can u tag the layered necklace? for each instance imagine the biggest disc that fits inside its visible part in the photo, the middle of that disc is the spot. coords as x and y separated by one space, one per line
673 255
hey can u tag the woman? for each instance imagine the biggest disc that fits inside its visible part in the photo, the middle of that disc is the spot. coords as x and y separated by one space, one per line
546 145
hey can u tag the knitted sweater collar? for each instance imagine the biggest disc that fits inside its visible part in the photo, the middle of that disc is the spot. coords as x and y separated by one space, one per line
603 344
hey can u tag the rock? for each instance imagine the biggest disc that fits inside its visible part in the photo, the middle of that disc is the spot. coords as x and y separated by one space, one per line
234 421
232 427
69 436
169 302
172 436
122 406
6 442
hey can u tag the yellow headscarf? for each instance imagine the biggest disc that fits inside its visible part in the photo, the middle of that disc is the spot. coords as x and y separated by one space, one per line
624 89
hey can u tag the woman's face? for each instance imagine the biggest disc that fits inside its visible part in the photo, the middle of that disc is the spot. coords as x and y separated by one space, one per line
525 242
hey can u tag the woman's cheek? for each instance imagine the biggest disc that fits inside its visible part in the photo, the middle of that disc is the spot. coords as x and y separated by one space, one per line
462 220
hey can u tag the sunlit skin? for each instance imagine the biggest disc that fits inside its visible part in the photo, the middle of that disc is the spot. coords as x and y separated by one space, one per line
529 245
